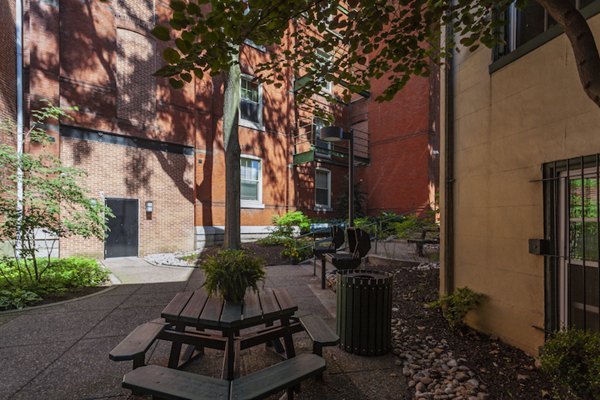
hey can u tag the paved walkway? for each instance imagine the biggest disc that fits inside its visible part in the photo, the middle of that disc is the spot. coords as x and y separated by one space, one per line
129 270
61 351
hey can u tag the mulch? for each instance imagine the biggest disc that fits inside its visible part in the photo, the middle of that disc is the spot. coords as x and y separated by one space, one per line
508 373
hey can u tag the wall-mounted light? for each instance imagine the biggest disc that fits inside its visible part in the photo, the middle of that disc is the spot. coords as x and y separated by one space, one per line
149 206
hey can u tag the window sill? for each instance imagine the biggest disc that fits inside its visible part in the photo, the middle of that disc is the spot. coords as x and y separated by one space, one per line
251 125
251 204
319 208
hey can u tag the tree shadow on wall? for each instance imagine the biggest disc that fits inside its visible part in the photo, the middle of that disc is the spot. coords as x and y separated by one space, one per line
89 55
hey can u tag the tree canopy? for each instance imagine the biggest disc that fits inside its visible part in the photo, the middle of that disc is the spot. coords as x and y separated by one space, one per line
362 39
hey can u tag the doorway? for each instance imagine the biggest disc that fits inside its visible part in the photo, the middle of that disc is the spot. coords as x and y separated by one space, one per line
122 237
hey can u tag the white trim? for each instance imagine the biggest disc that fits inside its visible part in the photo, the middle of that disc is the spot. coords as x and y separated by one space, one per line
258 203
244 122
324 207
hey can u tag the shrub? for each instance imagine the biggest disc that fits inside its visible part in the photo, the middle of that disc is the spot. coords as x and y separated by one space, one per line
272 240
231 272
456 306
17 298
59 274
297 250
572 358
413 225
284 224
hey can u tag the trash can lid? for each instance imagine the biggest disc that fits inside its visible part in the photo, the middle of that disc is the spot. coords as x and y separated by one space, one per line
364 276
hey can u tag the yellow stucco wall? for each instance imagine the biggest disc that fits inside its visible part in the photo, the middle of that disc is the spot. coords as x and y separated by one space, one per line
507 124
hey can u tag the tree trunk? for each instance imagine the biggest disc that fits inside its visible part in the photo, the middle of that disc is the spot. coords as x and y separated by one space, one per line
582 41
231 145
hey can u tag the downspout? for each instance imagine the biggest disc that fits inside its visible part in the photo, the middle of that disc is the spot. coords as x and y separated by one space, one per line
449 174
20 139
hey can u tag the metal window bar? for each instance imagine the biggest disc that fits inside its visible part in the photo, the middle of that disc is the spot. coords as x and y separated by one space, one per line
570 229
598 220
584 254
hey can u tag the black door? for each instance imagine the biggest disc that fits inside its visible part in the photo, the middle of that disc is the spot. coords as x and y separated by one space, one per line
122 239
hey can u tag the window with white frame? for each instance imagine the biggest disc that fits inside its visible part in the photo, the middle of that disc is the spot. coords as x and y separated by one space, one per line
322 147
322 188
251 106
250 181
524 24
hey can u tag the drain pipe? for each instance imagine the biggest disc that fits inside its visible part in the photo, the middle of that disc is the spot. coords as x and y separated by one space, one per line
449 173
20 139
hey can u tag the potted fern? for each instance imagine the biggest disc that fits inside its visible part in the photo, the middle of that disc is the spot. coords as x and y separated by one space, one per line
230 273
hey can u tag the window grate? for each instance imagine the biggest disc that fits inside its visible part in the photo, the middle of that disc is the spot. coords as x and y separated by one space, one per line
572 219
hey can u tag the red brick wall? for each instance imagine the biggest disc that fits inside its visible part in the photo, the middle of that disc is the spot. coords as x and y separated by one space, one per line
124 172
402 139
8 76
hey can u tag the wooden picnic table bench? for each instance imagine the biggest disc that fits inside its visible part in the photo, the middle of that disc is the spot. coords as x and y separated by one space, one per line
192 313
172 384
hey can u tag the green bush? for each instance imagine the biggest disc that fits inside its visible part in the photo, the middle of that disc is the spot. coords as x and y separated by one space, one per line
17 298
63 273
456 306
572 358
284 224
60 275
381 226
412 225
297 250
231 272
272 240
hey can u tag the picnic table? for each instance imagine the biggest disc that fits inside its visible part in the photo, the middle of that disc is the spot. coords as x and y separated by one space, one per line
191 315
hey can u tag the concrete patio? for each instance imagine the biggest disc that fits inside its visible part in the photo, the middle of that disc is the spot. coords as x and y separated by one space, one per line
61 351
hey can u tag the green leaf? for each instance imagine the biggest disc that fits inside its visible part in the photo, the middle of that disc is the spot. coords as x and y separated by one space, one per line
171 55
175 83
177 5
183 45
161 33
186 77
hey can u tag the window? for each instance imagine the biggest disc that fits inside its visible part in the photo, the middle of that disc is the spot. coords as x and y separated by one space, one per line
324 62
522 25
572 193
251 103
322 147
322 188
251 182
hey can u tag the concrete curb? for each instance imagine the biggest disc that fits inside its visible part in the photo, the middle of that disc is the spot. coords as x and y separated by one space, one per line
8 312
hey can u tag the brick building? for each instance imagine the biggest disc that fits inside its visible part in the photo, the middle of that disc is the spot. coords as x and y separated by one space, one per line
155 154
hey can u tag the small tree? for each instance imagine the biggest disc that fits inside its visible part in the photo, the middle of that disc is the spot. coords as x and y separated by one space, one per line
52 200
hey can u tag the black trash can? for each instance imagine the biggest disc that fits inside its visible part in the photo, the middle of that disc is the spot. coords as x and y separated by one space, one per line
364 311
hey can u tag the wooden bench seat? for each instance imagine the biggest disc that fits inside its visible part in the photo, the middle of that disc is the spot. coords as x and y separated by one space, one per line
284 375
320 333
172 384
137 343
